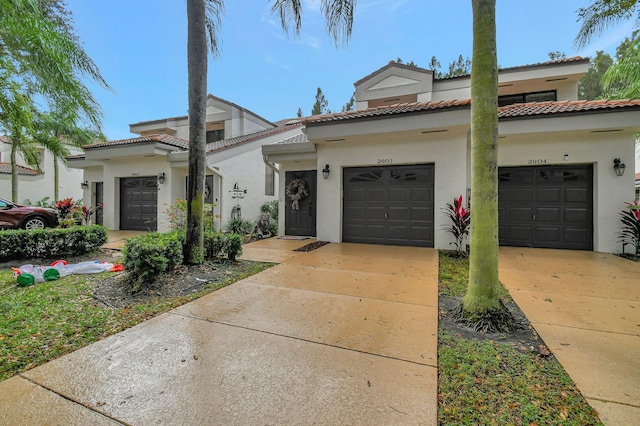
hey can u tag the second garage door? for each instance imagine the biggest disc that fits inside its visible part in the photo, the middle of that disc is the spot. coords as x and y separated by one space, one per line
546 206
389 205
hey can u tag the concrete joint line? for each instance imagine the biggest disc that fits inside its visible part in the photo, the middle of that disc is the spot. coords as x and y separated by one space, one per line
301 339
584 328
88 407
346 295
612 402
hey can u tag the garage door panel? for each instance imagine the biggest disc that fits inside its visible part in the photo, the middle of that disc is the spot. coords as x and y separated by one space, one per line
548 195
520 194
577 195
548 214
576 216
560 215
396 206
519 214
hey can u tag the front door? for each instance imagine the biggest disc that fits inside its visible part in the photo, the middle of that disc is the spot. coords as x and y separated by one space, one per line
300 209
98 203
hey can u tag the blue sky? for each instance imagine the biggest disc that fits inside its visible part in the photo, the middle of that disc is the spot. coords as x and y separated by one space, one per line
140 47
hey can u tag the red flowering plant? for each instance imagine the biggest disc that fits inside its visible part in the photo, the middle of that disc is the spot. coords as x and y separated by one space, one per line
630 233
66 208
459 225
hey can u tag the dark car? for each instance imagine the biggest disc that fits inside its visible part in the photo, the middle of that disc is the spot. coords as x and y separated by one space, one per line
28 217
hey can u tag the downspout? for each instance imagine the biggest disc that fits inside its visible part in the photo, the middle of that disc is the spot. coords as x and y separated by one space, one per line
270 164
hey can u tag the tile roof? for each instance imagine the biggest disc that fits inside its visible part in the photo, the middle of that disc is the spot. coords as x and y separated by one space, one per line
185 117
300 138
637 176
159 138
238 140
506 112
5 168
565 107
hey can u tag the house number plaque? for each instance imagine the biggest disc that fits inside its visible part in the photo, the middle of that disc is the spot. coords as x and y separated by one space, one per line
385 161
537 161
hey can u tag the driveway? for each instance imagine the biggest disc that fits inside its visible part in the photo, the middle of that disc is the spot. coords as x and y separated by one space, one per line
586 307
345 334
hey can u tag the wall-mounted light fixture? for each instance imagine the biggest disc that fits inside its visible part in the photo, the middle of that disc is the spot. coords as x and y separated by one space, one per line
325 172
84 185
618 167
161 178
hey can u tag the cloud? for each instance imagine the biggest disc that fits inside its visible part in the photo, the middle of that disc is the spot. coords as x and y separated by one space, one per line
610 40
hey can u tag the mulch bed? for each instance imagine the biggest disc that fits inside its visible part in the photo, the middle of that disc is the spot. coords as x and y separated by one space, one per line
524 338
312 246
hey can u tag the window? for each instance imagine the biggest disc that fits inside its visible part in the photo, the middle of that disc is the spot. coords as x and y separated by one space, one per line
215 135
521 98
269 180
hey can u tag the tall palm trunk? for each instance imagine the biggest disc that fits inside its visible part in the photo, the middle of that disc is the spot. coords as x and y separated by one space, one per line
14 171
483 290
197 70
56 179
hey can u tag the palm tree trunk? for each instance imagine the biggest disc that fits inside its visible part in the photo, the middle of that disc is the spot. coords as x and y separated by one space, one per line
197 70
14 171
56 179
483 290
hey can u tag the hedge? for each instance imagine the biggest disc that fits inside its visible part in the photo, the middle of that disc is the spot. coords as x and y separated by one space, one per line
51 243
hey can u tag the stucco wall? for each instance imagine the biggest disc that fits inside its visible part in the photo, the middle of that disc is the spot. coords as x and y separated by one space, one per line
610 191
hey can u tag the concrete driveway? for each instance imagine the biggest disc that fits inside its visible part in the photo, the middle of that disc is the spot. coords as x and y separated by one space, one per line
345 334
586 307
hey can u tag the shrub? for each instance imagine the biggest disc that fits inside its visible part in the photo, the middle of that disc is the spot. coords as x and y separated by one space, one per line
177 214
630 233
217 245
271 207
239 226
459 225
51 243
149 255
67 208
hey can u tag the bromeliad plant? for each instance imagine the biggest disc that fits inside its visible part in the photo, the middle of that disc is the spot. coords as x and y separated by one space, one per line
459 226
630 233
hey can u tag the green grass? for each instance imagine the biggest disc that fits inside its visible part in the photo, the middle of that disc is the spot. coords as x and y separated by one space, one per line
493 384
485 383
453 276
47 320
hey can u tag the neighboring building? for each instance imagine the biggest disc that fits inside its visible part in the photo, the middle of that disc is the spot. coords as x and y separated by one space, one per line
395 161
137 179
35 185
638 187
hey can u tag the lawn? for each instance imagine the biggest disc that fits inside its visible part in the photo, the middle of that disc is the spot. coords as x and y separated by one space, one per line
47 320
482 382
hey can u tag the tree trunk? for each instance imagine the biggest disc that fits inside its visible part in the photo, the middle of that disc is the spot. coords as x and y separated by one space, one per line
56 179
483 290
197 70
14 172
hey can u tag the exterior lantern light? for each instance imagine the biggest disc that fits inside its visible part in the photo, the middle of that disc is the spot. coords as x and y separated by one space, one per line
618 167
161 178
325 172
84 185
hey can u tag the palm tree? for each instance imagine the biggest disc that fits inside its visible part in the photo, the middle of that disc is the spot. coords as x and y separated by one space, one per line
483 291
622 79
204 18
41 58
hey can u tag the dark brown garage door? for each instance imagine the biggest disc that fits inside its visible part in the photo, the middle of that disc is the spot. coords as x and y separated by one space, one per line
389 205
547 206
139 204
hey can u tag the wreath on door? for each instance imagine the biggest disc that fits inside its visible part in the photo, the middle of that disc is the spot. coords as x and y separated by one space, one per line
296 191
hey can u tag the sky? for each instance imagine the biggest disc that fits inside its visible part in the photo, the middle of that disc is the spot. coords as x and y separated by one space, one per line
140 48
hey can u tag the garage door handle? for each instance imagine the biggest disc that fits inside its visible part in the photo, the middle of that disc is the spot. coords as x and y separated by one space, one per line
386 216
534 216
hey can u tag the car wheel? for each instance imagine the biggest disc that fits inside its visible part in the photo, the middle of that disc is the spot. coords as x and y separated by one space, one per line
35 222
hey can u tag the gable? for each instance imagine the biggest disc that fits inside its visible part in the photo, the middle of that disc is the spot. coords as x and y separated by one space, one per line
393 81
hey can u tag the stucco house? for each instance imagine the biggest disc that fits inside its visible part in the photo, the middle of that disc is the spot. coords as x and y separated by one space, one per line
383 173
34 185
137 179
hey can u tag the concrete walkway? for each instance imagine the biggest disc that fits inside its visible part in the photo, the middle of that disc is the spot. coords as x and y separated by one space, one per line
586 307
345 334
